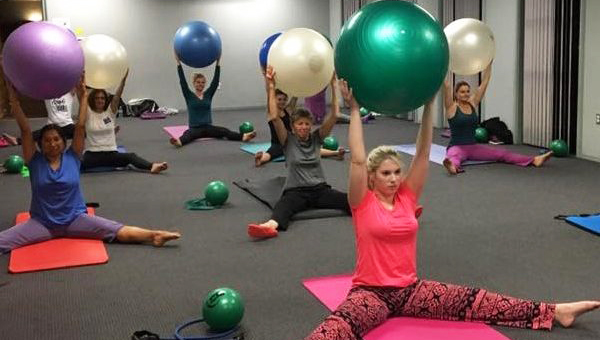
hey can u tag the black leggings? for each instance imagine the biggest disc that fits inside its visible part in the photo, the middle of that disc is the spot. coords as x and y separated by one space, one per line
208 131
275 150
295 200
94 159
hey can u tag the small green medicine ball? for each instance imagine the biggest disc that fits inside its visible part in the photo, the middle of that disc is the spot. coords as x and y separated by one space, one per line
223 309
330 143
559 147
14 164
363 111
246 127
481 135
216 193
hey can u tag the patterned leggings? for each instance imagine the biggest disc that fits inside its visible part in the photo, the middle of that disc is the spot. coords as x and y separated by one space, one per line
367 307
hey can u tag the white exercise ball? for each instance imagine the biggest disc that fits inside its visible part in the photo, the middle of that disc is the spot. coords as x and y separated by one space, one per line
303 62
472 46
105 61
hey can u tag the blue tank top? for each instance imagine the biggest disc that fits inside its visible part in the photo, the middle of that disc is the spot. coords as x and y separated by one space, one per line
462 127
56 199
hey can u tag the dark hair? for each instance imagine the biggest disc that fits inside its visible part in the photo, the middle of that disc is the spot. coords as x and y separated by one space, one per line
92 97
278 92
51 127
301 113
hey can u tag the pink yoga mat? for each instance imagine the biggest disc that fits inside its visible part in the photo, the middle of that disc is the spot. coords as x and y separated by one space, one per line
332 290
178 130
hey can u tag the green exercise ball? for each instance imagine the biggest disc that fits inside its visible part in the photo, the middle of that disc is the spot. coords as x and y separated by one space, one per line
394 56
363 112
330 143
246 127
216 193
481 135
559 147
223 309
14 164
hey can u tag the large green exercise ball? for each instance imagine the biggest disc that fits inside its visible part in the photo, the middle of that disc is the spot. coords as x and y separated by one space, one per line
481 135
223 309
330 143
559 147
393 54
216 193
14 164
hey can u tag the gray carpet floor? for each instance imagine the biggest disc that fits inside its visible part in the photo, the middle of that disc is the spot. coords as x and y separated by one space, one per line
491 227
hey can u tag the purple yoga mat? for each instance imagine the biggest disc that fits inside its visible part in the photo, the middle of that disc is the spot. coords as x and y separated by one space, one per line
332 290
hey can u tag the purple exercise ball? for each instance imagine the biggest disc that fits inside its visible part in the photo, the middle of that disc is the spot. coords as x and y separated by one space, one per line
42 60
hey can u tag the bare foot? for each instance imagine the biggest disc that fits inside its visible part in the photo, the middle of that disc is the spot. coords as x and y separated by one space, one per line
258 159
161 237
566 313
539 160
248 136
175 142
10 139
341 152
450 167
158 167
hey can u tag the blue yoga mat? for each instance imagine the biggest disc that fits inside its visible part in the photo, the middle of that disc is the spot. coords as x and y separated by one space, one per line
436 155
253 148
589 223
120 149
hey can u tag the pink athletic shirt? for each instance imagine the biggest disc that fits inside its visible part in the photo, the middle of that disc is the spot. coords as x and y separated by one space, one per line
386 241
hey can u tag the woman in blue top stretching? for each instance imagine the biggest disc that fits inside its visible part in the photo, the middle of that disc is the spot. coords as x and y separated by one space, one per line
198 105
462 118
57 205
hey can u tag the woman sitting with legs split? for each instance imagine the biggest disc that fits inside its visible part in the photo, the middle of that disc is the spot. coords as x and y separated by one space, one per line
463 120
385 284
276 150
101 140
305 186
57 205
199 109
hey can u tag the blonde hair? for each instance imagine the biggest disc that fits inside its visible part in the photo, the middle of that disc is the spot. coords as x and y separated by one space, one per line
197 75
380 154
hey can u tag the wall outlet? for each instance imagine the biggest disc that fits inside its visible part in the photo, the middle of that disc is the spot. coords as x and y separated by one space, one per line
598 118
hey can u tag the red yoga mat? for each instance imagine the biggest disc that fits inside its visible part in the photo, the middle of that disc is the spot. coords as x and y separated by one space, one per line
56 253
332 290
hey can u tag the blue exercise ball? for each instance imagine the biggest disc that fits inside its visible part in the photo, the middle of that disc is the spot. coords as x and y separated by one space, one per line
197 44
264 49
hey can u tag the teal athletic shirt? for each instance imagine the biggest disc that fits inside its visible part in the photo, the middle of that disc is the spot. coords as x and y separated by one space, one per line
199 110
462 127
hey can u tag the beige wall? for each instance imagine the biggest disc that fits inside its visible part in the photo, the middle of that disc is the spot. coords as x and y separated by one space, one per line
589 131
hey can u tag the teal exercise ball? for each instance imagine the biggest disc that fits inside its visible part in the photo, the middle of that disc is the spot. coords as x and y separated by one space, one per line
14 164
216 193
559 147
330 143
363 112
223 309
394 56
246 127
481 135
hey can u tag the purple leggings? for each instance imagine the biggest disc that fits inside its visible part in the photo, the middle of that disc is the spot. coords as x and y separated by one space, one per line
367 307
32 231
480 152
317 106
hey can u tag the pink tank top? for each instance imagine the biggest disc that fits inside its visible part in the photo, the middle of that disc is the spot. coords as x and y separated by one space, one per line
386 241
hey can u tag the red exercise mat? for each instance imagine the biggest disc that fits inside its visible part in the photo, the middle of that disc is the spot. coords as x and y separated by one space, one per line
56 253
